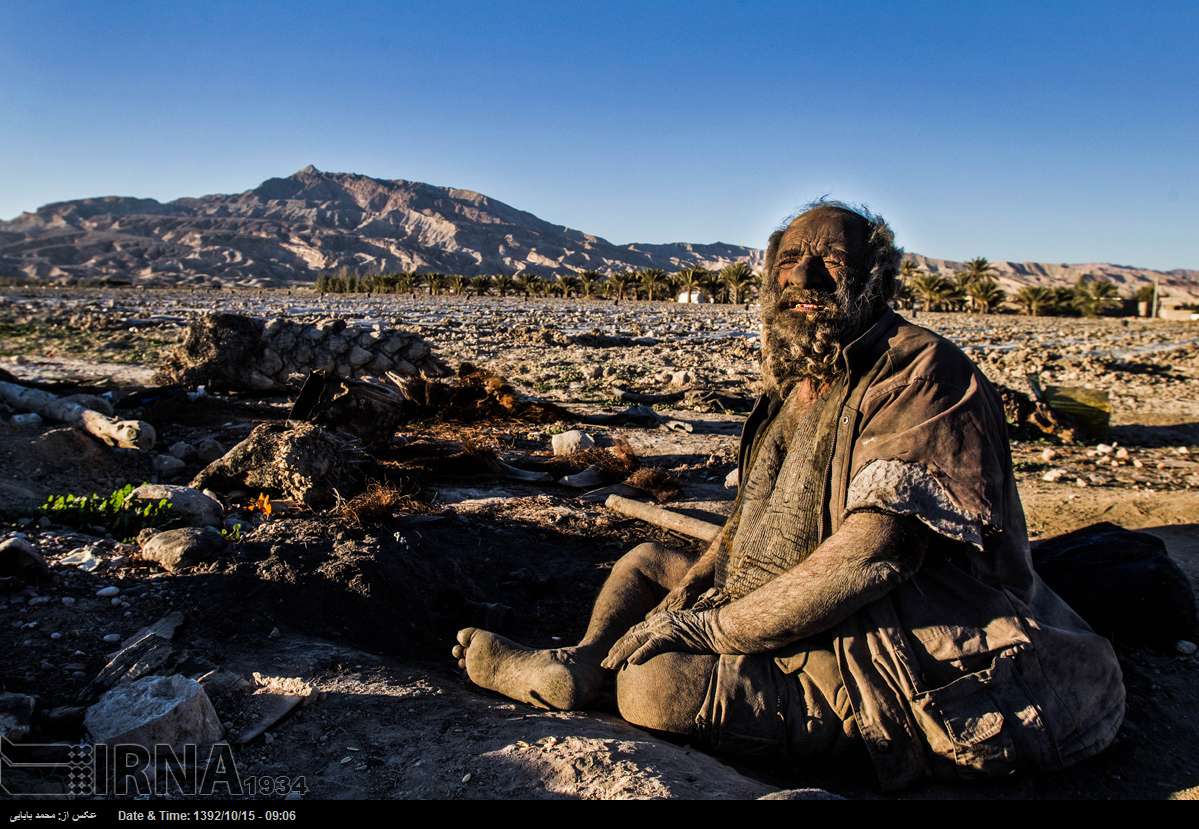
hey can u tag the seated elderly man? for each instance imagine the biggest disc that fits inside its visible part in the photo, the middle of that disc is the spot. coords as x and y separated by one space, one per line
872 588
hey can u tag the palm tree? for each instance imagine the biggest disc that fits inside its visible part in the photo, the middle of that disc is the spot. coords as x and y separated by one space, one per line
978 269
525 282
588 282
985 295
931 290
1034 299
736 277
458 284
653 280
504 284
688 281
436 283
1093 297
711 284
622 282
567 284
481 284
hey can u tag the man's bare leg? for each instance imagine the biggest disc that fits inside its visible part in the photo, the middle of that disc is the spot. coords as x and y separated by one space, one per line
666 692
571 678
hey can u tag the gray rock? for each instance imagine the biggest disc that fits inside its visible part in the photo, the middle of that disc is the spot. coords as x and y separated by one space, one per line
167 465
270 362
175 549
1186 647
359 356
21 559
566 443
108 592
801 794
417 351
181 450
199 509
208 450
155 710
16 715
29 419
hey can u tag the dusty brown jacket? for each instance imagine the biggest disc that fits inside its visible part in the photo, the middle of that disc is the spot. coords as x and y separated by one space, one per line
972 666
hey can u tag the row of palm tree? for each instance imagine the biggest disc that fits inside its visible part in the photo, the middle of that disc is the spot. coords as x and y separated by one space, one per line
734 283
975 289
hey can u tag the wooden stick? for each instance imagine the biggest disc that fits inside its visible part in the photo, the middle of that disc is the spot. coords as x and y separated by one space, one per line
664 518
132 434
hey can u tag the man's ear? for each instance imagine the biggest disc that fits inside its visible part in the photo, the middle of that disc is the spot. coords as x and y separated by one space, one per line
772 252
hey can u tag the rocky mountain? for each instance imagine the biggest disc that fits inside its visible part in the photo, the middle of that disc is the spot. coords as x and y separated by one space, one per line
288 230
1014 275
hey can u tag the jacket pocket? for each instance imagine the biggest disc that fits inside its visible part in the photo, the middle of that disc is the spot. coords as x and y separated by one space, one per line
970 722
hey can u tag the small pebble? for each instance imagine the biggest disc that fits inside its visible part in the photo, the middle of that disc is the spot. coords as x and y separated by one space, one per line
466 777
68 601
108 592
112 638
1185 647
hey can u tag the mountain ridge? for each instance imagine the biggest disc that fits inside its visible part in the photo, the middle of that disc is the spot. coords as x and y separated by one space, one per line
289 229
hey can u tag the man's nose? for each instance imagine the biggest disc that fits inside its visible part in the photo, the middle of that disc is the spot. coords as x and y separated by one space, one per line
808 274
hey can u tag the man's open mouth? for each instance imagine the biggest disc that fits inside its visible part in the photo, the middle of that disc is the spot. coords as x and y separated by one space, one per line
804 308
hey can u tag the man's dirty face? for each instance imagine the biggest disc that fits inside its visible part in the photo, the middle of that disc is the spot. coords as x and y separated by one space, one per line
815 256
814 298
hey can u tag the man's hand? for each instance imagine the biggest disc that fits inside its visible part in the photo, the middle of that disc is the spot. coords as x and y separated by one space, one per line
682 597
681 631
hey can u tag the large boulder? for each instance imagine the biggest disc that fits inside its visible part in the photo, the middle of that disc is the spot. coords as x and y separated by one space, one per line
198 509
155 710
299 460
176 549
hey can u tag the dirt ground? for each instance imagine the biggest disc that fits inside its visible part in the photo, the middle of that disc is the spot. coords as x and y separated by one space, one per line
364 610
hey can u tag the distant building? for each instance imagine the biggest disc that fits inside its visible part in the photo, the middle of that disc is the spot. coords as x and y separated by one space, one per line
1178 308
693 296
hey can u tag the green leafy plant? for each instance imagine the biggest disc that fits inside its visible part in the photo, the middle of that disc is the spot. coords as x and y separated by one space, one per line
117 513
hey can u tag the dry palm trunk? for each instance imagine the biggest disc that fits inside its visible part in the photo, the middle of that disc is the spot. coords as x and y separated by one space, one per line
131 434
664 518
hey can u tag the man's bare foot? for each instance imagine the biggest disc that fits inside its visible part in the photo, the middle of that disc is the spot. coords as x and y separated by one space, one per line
565 679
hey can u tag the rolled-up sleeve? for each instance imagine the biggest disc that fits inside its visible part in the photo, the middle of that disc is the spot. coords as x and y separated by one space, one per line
933 447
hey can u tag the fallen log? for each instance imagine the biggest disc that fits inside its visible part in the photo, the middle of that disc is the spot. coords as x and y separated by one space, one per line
664 518
131 434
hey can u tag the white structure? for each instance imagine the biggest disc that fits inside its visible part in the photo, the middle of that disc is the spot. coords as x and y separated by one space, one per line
693 296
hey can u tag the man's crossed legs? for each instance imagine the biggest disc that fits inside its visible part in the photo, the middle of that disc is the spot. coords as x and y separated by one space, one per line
664 693
743 705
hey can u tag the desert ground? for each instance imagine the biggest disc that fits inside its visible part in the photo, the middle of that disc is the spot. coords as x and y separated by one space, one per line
351 607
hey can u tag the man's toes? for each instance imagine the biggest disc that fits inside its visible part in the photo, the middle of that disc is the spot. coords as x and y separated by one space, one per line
459 651
462 664
465 635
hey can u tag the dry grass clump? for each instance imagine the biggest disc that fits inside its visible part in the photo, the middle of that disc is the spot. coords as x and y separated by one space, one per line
657 482
617 460
378 503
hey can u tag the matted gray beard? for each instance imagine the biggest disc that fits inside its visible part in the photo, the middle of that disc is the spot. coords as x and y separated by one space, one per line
795 347
792 352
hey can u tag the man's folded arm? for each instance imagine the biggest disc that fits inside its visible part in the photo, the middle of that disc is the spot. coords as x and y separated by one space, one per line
868 556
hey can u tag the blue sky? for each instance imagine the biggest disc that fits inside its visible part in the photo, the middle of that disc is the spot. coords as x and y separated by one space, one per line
1012 130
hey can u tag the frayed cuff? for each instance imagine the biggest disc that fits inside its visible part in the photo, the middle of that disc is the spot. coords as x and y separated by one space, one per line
902 488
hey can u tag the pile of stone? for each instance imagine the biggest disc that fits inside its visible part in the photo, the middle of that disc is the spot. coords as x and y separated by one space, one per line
229 351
